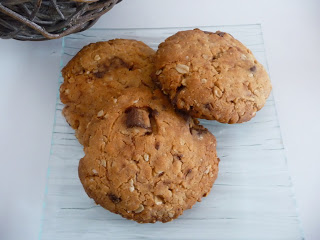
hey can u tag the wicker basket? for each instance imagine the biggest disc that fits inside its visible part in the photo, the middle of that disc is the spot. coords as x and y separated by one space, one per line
49 19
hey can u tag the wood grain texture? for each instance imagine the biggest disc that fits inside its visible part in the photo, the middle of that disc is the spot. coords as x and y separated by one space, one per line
251 199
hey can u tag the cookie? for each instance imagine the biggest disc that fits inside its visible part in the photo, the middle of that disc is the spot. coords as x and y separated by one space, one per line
146 162
211 76
97 75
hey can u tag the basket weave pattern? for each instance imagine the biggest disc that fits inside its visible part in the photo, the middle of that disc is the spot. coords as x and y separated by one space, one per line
49 19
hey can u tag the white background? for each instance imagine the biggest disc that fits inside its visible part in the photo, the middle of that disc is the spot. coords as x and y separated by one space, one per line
28 87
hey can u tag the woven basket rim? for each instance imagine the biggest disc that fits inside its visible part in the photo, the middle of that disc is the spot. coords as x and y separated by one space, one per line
20 19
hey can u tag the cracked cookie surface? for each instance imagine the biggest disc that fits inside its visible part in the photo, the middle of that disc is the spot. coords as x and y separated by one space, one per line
211 76
97 75
146 162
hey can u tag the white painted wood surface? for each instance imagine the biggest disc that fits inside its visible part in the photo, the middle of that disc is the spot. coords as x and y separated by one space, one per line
251 199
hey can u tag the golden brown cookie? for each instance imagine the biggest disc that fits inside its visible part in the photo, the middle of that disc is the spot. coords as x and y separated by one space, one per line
97 75
211 76
146 162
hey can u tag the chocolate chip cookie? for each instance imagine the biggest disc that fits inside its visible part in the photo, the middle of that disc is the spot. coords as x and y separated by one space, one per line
144 161
211 76
97 75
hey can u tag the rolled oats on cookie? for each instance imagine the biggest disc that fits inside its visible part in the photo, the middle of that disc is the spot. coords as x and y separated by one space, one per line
97 75
211 76
145 161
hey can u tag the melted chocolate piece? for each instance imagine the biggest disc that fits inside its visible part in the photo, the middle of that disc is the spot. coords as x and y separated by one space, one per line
208 106
114 198
118 63
99 74
197 130
157 145
253 69
137 117
221 34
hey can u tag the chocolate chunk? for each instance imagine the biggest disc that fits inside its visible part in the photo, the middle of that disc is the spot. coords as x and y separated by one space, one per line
253 69
221 34
116 63
197 130
208 106
157 145
161 174
188 172
137 117
99 74
114 198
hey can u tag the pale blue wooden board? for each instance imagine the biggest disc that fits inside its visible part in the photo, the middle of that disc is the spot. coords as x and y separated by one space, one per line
251 199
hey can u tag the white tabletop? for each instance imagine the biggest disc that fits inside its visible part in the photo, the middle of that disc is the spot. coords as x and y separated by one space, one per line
29 72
